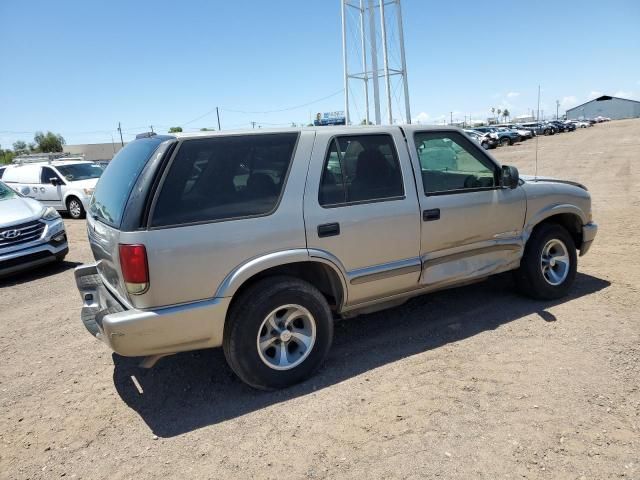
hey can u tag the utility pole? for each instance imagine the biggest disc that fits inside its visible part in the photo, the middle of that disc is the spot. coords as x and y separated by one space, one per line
385 60
218 115
253 124
120 130
344 62
151 127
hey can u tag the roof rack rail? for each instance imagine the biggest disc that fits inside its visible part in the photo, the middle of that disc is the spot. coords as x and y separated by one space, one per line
46 157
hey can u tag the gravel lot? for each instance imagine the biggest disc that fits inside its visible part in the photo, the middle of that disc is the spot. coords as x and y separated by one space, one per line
471 383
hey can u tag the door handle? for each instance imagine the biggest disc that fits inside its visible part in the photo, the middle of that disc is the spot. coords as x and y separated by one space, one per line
328 230
431 215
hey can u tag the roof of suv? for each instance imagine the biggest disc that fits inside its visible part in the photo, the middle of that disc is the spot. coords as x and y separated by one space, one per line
337 130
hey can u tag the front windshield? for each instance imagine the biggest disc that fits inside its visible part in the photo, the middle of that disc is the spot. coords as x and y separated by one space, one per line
6 193
80 171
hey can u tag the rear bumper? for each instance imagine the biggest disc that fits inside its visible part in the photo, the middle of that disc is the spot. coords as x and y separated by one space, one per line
131 332
589 232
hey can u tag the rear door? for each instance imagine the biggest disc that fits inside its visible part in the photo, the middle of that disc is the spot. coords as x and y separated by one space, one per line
24 179
361 208
471 226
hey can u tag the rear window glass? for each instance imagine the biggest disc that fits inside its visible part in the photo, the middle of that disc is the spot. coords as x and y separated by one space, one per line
115 184
224 177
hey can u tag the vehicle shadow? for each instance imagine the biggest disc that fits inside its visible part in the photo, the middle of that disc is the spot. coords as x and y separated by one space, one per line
37 273
191 390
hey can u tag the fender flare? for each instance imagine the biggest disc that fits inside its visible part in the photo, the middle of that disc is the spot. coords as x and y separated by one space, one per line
236 278
550 211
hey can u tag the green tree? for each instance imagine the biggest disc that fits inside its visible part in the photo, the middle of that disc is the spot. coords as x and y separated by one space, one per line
6 156
20 147
175 129
204 129
506 114
49 142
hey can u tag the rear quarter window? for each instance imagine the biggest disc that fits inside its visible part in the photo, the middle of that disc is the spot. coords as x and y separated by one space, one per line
221 178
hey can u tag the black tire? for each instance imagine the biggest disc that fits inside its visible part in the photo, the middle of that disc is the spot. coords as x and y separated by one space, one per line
75 208
486 145
529 277
246 316
504 141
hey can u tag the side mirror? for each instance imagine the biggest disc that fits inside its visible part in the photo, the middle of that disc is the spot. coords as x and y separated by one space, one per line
510 177
54 181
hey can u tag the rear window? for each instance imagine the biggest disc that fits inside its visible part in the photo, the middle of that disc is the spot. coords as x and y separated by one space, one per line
222 178
115 184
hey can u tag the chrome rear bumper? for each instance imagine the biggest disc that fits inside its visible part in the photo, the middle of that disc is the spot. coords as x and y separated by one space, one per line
131 332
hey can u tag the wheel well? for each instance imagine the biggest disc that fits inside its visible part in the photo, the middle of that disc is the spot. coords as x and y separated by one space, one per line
68 199
321 276
571 222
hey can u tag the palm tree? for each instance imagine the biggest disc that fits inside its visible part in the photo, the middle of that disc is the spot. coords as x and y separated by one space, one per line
499 111
506 114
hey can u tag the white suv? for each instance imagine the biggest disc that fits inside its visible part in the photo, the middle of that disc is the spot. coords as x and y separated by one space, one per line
66 185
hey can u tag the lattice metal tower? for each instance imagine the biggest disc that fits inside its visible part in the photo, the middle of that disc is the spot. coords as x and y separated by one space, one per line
364 49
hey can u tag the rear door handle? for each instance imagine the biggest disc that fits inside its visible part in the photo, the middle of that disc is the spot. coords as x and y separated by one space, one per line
431 215
328 230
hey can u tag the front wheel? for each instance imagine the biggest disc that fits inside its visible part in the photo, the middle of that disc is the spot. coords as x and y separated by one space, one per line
75 208
549 264
504 141
278 333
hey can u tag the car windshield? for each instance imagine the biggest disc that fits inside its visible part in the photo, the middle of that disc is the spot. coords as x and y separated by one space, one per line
6 193
80 171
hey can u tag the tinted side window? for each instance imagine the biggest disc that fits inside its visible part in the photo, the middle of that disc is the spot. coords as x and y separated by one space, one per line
224 177
47 174
1 172
360 168
449 162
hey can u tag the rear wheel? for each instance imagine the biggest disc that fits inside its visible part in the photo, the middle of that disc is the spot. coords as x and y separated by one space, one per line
278 333
75 208
504 141
549 264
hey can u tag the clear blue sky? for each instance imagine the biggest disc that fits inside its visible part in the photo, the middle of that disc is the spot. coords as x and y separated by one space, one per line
78 67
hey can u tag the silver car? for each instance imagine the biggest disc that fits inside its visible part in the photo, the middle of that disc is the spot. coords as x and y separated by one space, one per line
256 241
30 233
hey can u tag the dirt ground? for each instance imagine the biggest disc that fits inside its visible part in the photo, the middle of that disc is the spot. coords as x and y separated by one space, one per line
472 383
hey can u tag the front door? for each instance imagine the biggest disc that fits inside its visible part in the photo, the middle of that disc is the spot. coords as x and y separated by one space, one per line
49 195
471 225
361 208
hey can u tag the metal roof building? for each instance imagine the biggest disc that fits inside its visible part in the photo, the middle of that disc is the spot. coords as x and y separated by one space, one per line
607 106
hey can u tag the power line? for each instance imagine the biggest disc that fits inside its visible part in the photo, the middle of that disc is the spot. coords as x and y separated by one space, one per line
283 109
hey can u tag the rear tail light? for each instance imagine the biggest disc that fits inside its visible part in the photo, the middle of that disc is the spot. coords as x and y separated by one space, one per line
135 270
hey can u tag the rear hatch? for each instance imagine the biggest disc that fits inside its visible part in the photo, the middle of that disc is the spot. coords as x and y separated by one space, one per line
106 214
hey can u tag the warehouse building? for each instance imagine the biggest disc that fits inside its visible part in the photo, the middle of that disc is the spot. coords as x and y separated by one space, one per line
606 106
94 151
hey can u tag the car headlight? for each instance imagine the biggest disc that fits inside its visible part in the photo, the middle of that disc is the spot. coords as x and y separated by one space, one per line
49 213
88 191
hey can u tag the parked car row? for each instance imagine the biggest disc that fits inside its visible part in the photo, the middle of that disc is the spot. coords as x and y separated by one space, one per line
501 135
32 192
